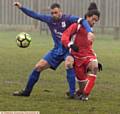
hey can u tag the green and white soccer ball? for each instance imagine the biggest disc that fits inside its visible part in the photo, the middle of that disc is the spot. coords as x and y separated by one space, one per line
23 40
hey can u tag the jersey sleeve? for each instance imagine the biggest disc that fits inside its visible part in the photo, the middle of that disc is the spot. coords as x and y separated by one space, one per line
38 16
73 19
86 25
66 36
84 22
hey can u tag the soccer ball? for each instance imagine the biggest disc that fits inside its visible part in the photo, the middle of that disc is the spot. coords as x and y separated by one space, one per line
23 40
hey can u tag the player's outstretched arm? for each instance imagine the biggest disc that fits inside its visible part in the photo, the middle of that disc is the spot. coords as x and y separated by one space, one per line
38 16
81 21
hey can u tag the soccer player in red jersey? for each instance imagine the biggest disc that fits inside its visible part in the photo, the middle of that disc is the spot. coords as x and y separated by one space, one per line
85 60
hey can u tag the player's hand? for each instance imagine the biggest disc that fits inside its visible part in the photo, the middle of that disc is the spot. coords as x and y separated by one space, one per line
91 36
74 47
100 67
17 4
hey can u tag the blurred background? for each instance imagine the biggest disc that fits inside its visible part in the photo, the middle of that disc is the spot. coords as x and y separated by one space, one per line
13 19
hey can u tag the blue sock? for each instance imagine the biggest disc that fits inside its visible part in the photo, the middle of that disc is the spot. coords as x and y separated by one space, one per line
71 80
33 78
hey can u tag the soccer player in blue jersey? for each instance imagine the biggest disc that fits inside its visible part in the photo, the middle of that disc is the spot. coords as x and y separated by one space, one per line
57 23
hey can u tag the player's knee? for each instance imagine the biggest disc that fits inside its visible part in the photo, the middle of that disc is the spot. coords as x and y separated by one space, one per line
93 67
40 66
68 65
95 70
69 62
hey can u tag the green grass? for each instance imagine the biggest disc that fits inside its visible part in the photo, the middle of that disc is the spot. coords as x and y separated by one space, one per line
48 94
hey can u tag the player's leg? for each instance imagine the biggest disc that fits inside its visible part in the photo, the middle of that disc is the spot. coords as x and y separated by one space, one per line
81 79
33 78
69 61
91 77
43 64
81 85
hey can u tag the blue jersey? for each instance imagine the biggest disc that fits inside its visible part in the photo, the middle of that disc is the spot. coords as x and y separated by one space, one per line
56 27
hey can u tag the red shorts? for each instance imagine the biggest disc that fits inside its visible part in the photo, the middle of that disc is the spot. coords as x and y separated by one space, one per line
81 66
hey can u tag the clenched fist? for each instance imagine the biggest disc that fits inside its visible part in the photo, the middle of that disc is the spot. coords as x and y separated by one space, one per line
91 36
17 4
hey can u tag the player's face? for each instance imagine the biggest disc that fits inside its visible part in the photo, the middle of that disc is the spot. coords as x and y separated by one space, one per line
92 20
56 13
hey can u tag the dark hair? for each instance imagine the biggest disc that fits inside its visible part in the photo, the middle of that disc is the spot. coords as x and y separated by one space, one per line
55 5
92 10
92 6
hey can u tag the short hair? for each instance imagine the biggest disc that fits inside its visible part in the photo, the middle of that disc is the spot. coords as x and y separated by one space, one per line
55 5
92 10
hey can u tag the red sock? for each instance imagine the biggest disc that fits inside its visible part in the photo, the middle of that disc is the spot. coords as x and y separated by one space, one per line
90 84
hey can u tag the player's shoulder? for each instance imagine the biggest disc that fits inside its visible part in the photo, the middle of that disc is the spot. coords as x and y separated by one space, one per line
70 18
64 17
67 16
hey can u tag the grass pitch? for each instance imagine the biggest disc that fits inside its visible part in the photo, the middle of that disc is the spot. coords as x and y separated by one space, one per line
48 94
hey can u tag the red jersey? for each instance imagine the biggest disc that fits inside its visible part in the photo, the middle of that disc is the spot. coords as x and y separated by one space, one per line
81 40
